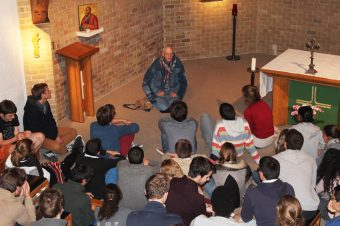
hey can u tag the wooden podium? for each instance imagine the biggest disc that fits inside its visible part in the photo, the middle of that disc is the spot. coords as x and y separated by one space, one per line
79 77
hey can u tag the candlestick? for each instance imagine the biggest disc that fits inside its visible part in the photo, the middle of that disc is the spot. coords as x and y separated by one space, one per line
253 64
234 10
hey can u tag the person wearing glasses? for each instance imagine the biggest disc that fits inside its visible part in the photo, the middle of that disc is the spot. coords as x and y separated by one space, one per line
165 80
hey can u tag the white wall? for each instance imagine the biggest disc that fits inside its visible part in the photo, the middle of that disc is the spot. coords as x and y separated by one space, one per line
12 82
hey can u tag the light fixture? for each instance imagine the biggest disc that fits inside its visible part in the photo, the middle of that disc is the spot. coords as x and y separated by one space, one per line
35 41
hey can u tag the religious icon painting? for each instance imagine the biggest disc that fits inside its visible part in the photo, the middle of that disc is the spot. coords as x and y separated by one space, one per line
88 17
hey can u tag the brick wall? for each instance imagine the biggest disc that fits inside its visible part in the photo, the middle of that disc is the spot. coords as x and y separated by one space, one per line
202 30
290 23
36 69
133 35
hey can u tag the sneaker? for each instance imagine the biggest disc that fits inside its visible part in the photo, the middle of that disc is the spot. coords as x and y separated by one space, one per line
50 156
160 151
78 144
138 145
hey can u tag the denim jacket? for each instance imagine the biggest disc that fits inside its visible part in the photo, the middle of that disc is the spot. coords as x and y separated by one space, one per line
154 80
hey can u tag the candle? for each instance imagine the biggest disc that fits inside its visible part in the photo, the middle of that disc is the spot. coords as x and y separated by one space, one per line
253 64
234 10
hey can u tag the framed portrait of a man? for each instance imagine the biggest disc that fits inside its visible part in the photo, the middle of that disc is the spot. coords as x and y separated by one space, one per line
88 17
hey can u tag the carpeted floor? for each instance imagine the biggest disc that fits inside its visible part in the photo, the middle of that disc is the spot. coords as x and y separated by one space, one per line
209 81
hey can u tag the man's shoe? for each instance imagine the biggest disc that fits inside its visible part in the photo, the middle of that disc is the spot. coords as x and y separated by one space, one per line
78 144
50 156
160 151
138 145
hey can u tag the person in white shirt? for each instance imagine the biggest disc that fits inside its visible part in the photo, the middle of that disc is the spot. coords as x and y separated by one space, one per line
299 170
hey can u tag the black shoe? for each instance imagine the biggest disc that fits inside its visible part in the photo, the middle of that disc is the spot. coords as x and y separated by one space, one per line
78 145
165 111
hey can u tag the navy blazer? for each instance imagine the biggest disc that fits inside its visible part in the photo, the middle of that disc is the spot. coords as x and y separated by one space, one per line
153 214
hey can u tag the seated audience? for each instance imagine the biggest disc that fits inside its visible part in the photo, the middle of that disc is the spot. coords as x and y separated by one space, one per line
77 202
171 168
228 164
10 134
183 155
280 144
185 198
235 130
328 177
116 135
111 212
312 134
177 127
51 206
23 157
259 116
38 118
299 170
289 212
334 207
99 165
223 205
261 201
16 202
58 172
155 213
331 136
132 175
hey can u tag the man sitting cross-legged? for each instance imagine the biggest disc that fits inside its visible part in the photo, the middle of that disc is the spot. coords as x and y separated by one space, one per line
177 127
185 197
154 213
38 118
261 201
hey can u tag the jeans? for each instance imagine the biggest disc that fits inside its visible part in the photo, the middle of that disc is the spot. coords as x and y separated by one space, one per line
164 102
209 187
207 126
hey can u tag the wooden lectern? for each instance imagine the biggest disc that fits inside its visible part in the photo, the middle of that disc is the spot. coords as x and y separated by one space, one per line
79 77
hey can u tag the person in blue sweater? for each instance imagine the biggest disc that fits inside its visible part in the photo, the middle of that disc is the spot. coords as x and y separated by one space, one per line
261 201
116 135
155 213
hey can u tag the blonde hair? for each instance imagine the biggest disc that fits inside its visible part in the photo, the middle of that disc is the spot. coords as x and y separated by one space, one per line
22 149
289 212
171 168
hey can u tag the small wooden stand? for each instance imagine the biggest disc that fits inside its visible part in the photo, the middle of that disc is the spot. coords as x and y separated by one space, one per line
79 77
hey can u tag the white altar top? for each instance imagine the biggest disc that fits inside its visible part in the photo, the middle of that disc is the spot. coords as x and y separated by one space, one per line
297 62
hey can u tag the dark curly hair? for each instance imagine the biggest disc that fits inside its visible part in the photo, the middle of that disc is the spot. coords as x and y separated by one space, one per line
112 197
329 169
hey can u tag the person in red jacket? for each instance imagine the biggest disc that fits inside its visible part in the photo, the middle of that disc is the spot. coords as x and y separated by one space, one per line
259 116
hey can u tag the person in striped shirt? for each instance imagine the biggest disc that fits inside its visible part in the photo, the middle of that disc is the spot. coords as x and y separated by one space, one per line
235 130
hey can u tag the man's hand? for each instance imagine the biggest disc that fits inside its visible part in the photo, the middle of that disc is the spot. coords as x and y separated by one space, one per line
27 133
127 122
59 140
173 94
112 153
20 136
160 94
208 208
25 191
146 162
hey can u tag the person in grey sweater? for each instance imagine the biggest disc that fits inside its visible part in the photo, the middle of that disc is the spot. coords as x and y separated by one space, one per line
132 175
51 206
177 127
299 169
